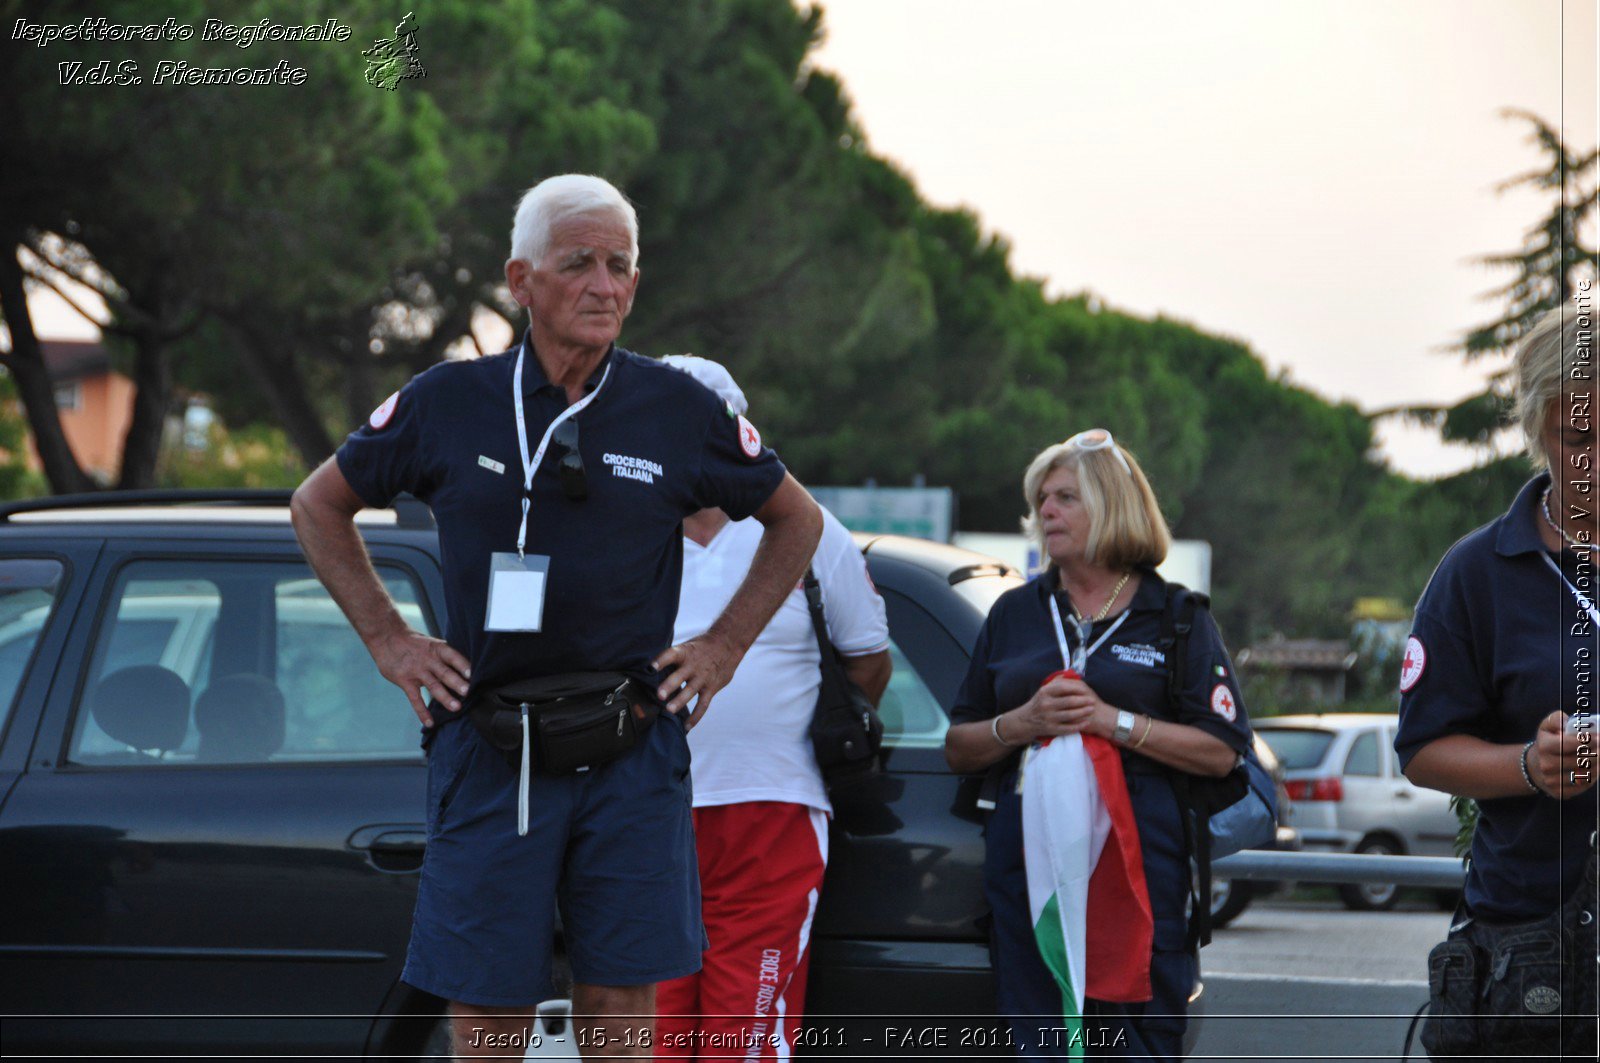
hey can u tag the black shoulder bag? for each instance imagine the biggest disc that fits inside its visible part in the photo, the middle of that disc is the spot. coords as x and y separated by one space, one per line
1517 989
846 731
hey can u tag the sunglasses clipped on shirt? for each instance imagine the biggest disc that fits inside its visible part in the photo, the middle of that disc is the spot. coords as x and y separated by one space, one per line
574 481
1099 439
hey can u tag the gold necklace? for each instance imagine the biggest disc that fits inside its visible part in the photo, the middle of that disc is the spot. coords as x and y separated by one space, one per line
1544 503
1106 608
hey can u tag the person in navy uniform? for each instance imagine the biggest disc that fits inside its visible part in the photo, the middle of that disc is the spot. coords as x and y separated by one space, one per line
1499 669
559 473
1097 520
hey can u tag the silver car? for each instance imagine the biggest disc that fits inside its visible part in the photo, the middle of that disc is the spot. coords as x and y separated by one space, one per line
1349 796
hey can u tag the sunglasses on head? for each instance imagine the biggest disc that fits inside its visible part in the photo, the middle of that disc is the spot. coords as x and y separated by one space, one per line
1099 439
574 481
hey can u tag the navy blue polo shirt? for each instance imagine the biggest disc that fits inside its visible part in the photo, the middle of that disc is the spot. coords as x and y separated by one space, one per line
1017 649
656 444
1498 643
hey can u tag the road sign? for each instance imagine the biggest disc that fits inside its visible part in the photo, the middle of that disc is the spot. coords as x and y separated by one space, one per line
923 512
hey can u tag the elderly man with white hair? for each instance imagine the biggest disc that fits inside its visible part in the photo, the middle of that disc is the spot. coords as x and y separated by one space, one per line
559 473
760 807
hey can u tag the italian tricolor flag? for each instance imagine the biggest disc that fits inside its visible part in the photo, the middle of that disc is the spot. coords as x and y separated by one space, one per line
1081 848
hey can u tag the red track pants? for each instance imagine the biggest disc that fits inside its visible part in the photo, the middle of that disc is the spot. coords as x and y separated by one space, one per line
761 866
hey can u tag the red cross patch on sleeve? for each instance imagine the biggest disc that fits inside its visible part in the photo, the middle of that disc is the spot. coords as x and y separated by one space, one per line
1223 702
385 410
1412 665
749 439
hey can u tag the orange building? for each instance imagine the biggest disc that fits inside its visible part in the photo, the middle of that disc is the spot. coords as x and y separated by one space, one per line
95 403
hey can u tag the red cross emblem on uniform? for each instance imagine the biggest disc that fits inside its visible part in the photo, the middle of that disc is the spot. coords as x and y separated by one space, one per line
1222 702
1411 667
749 439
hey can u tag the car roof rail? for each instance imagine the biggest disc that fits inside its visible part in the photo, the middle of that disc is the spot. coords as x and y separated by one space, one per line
410 512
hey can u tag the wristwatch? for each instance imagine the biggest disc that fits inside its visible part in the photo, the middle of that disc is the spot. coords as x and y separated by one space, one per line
1124 730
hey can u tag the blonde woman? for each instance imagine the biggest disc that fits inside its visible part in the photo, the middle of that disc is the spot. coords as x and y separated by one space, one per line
1501 662
1100 603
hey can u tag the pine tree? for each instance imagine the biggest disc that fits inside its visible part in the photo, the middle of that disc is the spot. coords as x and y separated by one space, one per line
1547 269
1553 255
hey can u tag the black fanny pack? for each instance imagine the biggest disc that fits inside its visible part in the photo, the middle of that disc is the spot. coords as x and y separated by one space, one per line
574 721
1516 989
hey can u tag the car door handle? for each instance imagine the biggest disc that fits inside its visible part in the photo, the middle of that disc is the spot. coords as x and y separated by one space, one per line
401 841
392 847
1403 793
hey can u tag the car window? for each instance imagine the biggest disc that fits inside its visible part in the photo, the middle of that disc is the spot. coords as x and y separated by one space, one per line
928 666
138 640
912 716
1363 757
28 589
317 654
209 662
1298 748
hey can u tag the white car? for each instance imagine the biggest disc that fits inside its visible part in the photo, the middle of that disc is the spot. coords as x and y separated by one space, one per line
1349 796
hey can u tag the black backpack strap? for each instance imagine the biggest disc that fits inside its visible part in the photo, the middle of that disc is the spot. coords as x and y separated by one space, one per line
1177 622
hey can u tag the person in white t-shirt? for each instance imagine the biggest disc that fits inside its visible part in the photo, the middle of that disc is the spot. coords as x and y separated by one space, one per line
760 808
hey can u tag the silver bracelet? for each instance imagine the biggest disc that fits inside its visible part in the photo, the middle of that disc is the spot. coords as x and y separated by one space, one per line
1526 777
994 729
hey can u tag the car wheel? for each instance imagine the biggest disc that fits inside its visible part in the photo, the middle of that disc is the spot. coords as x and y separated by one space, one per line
1228 900
1372 896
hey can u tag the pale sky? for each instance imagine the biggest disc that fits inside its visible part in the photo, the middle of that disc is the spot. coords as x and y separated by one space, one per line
1309 176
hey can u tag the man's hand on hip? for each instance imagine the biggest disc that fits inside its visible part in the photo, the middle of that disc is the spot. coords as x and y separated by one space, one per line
696 669
791 526
413 661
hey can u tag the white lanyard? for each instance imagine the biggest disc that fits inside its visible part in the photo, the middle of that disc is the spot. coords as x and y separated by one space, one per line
1079 664
1583 600
530 464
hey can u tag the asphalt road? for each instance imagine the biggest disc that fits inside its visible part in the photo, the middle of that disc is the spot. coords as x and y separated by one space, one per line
1303 980
1298 979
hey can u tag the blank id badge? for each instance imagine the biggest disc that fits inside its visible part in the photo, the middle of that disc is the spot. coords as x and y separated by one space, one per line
516 592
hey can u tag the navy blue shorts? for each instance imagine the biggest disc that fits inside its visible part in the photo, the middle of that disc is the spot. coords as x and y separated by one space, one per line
614 847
